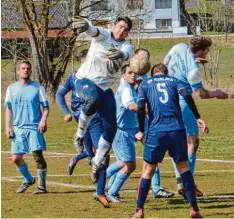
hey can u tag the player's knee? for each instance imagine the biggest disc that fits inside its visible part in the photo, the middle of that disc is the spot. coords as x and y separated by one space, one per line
39 159
182 166
131 167
18 160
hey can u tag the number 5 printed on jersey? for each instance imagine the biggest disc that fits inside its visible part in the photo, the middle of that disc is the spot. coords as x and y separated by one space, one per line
164 95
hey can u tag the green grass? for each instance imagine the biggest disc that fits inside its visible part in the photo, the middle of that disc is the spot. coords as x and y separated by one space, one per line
69 202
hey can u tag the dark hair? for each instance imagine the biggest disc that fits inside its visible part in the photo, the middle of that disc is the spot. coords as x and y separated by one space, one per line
80 55
200 43
124 68
127 20
23 62
142 49
159 68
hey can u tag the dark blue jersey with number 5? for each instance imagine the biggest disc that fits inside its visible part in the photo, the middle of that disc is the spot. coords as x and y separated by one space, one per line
161 94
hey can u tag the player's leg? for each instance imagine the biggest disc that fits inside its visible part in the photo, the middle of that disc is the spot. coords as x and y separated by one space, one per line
88 91
153 154
124 148
157 190
41 171
179 152
143 188
19 147
107 111
37 146
101 182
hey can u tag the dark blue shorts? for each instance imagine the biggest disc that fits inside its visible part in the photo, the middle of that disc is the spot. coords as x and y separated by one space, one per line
158 143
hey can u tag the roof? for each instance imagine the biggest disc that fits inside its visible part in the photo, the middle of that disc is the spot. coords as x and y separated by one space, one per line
12 19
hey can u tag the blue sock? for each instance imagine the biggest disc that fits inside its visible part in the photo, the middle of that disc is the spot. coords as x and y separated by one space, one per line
88 145
111 181
188 184
100 185
80 156
192 161
156 180
120 179
143 191
25 172
113 169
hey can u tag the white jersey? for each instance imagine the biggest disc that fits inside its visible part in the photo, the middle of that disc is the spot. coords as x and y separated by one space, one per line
97 67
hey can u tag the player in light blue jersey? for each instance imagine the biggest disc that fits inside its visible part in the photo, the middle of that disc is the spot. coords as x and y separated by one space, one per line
183 62
107 52
23 103
124 141
165 132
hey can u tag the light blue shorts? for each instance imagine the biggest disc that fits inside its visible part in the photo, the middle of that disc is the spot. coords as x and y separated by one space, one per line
190 122
124 145
26 140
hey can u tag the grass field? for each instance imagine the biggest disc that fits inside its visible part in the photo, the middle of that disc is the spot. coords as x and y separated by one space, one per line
71 196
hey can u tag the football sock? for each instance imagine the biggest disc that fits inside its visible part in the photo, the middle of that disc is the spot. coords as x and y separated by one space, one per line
80 156
111 181
103 148
192 161
42 176
156 180
100 185
120 179
25 173
143 190
188 184
83 124
113 169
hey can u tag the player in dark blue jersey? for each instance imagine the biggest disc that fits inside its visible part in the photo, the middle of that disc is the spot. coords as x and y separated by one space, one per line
93 133
165 132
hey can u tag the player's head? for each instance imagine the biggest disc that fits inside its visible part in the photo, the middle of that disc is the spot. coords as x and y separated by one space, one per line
121 28
24 69
159 69
81 56
127 74
200 46
142 52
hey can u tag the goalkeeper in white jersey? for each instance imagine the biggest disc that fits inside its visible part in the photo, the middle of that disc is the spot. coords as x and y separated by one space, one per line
107 52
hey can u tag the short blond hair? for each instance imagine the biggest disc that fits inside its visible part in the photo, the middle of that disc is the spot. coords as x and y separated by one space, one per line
19 63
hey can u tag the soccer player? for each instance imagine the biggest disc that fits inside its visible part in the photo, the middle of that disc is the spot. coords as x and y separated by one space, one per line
124 141
106 54
165 132
93 133
157 190
183 62
23 102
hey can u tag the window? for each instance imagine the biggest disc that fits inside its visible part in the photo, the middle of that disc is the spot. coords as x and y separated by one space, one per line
163 23
159 4
101 6
134 4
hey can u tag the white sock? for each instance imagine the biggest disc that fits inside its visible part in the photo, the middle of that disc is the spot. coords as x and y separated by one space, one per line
103 148
83 124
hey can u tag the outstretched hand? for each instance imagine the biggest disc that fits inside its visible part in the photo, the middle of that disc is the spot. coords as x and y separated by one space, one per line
80 25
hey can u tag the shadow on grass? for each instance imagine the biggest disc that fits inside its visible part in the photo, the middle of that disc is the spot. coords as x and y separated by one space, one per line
71 192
